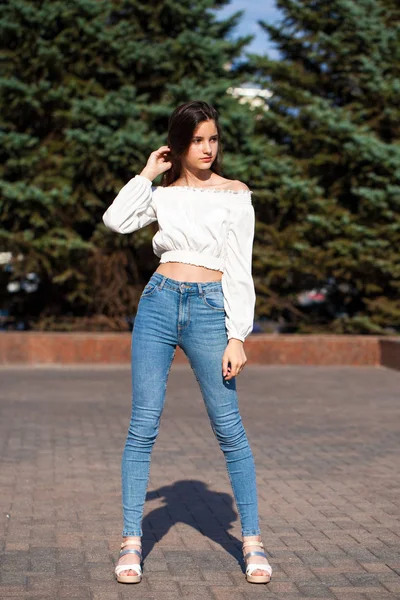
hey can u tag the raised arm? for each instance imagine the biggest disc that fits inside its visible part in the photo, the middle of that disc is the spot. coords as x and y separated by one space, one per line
133 207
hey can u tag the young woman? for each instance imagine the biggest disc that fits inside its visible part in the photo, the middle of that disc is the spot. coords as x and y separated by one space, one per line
200 298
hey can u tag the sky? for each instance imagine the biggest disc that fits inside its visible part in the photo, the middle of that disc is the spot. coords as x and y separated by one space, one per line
255 10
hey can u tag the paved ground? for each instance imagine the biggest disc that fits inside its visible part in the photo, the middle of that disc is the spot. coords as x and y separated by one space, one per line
326 443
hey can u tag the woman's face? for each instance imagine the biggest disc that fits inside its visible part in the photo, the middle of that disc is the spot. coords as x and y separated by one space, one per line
203 148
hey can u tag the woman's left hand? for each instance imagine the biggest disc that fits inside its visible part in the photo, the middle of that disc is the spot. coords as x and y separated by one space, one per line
234 354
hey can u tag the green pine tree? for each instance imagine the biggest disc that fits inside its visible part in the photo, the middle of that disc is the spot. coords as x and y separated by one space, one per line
331 178
85 94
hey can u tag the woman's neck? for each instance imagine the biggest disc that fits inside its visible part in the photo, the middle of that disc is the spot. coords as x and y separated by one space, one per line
195 178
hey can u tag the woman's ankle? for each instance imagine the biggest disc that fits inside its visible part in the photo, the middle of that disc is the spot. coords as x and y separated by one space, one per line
252 538
133 539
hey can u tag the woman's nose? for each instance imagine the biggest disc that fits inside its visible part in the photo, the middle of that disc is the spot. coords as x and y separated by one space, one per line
207 148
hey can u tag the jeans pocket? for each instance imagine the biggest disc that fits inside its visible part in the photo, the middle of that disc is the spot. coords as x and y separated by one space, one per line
214 299
148 289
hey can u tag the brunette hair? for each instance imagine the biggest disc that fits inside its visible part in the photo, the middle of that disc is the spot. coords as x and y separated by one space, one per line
181 126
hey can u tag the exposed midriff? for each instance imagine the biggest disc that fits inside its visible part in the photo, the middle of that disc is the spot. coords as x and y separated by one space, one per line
185 272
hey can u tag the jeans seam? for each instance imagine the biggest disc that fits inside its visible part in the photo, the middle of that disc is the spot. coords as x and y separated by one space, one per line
180 327
124 534
168 371
213 307
143 295
257 530
203 297
231 482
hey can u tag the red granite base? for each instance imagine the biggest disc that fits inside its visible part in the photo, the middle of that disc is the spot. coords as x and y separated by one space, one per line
390 353
114 348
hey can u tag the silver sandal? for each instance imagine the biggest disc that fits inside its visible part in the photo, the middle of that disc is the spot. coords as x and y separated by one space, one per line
135 567
250 568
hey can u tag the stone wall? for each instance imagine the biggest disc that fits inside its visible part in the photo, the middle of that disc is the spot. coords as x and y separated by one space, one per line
31 348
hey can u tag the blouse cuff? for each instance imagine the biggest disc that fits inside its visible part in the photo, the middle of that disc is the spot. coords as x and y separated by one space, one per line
236 336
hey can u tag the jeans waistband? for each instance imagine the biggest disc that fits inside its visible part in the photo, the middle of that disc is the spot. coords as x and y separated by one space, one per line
190 287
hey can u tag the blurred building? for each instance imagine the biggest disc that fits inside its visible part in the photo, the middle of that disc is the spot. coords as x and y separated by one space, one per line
256 97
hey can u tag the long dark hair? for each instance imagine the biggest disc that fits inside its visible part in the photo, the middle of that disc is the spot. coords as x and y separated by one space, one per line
181 126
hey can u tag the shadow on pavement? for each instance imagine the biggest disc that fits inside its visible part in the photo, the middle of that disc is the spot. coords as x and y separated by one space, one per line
192 503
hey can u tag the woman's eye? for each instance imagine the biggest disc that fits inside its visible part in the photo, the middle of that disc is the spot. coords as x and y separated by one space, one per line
211 140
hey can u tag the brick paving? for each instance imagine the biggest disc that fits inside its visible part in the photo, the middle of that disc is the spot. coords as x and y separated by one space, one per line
326 442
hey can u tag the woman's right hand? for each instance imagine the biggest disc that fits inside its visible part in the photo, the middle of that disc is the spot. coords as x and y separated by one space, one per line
157 163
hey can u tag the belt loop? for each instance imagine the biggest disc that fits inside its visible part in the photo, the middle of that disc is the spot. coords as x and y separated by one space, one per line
161 284
200 288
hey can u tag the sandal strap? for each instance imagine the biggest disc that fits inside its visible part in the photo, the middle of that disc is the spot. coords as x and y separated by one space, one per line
245 544
130 551
130 544
254 554
136 568
263 567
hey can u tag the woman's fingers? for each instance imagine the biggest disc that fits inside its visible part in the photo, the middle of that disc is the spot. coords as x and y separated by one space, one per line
233 363
162 157
232 371
162 150
165 166
225 367
157 154
158 160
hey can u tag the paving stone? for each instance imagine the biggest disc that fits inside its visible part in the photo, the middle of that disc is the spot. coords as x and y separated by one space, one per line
223 594
195 592
326 447
15 591
349 594
315 589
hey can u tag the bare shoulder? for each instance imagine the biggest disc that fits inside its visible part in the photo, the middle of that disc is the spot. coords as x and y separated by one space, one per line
238 186
232 184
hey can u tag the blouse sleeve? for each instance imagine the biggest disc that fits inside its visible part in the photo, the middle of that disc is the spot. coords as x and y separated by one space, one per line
133 208
237 280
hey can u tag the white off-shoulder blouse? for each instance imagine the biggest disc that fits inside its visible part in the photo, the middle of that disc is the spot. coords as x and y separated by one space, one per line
199 226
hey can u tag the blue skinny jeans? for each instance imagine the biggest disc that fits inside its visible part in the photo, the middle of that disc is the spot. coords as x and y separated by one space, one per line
192 316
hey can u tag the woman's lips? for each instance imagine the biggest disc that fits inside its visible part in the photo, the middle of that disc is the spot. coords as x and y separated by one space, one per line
207 159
